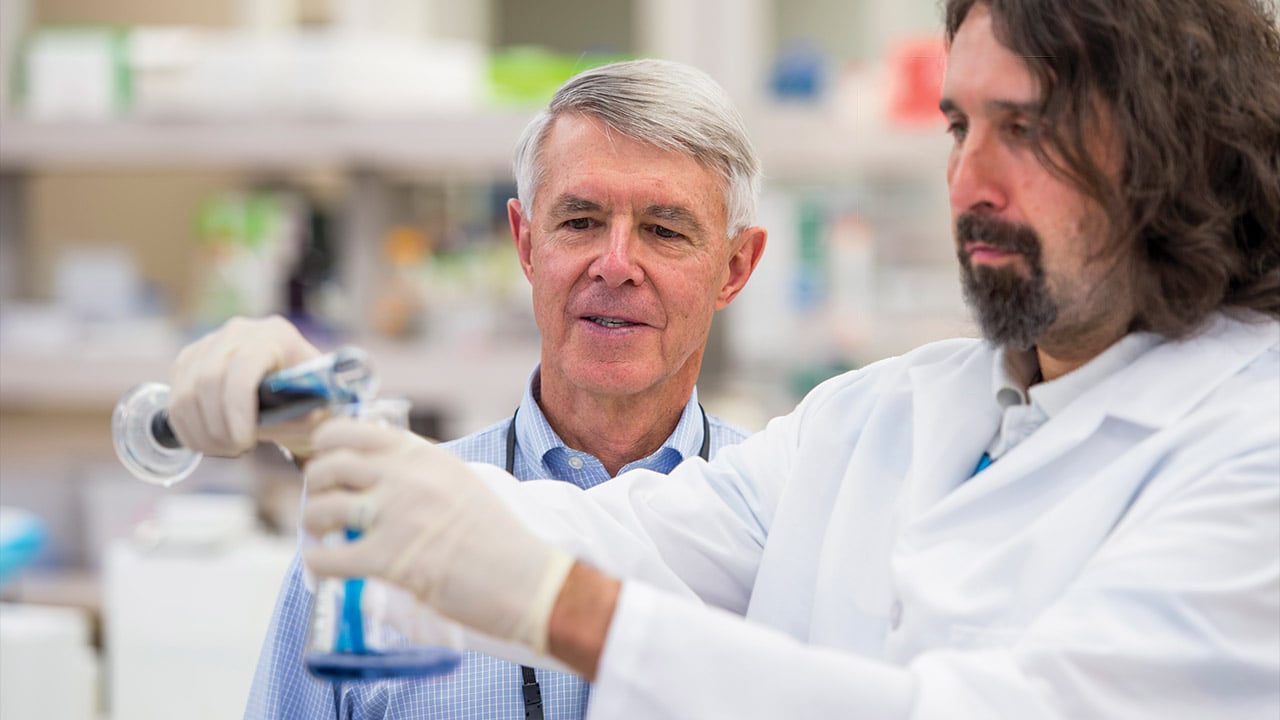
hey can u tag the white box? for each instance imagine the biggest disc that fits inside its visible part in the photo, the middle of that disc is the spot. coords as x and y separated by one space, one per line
47 667
184 626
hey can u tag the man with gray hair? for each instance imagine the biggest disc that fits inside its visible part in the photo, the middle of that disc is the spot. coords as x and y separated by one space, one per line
637 186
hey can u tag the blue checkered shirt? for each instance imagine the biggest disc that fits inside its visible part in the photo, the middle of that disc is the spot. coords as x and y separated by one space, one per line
483 688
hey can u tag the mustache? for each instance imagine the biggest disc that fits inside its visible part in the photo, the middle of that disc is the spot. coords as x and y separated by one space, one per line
611 303
1001 235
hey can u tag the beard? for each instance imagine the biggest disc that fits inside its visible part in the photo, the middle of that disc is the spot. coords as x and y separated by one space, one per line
1011 309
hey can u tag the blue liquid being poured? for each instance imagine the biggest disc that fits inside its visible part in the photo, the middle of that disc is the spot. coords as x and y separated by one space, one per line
343 377
409 662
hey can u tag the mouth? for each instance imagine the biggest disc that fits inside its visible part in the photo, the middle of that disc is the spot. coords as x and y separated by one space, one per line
980 252
610 322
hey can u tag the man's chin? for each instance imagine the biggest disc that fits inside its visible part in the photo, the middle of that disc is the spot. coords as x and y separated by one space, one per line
1011 329
1010 311
615 379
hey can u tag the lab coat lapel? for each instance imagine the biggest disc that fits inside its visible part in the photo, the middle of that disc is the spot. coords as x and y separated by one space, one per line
954 418
1058 436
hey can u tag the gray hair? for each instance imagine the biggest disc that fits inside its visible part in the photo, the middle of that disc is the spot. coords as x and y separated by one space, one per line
657 102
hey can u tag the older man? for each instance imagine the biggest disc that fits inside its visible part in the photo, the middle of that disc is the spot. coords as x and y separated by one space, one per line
637 186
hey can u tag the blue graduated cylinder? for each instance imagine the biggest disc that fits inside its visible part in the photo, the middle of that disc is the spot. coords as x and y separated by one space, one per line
356 653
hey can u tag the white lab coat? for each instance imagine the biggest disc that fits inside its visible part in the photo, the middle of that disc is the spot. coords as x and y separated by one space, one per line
1121 562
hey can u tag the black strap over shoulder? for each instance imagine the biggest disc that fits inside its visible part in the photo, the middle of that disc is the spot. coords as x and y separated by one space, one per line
531 691
705 451
532 694
511 443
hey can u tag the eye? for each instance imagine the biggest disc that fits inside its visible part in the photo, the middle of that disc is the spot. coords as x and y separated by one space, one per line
957 129
666 233
1023 130
578 223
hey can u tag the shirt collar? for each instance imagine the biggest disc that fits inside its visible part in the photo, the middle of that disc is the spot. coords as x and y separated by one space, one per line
686 439
535 435
1012 373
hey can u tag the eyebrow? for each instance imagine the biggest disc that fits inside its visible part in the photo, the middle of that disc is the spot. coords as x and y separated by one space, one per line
948 106
572 205
675 214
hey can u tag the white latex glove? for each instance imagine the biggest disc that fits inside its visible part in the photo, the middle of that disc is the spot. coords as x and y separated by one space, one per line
387 605
430 526
213 401
393 607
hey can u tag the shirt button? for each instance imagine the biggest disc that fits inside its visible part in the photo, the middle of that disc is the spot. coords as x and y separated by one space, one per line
575 462
895 615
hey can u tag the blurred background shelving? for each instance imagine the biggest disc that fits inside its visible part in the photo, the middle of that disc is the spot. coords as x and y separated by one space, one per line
165 164
817 80
796 143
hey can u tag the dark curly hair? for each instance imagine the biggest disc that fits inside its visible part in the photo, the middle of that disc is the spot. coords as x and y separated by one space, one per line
1193 89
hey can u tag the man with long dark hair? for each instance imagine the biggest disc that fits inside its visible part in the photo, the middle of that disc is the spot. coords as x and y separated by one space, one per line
1077 516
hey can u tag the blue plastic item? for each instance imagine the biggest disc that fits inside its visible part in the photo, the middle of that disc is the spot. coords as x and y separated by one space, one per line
22 537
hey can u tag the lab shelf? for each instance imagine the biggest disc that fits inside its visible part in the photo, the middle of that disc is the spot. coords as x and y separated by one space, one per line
799 142
473 142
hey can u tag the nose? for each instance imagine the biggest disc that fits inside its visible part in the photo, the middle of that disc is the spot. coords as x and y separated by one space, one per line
974 176
618 263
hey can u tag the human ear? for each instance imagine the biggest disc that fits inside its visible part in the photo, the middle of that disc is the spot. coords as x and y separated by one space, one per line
749 246
520 225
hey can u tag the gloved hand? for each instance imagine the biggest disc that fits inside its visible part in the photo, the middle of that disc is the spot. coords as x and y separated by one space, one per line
399 609
213 401
430 526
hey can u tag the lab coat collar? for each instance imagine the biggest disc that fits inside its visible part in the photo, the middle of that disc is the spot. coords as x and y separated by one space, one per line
955 414
1054 396
1203 361
1186 371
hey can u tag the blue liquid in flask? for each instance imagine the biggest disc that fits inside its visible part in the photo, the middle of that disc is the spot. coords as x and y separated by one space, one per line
418 662
352 659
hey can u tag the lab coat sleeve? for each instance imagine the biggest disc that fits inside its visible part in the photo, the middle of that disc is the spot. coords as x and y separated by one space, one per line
666 657
697 532
1177 617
